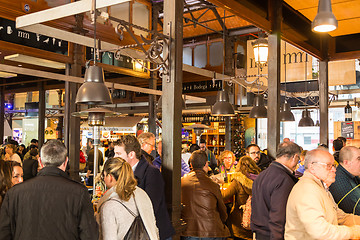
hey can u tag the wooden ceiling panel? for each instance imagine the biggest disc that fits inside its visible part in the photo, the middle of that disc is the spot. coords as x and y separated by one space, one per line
346 12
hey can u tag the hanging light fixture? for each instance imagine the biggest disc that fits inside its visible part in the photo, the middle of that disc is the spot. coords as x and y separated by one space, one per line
285 111
222 106
261 49
306 120
259 110
325 20
93 91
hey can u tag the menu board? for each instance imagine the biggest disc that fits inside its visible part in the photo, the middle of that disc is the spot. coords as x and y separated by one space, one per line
347 130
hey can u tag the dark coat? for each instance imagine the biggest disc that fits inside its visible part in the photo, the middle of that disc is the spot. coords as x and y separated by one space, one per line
204 210
30 167
49 206
147 156
151 181
270 192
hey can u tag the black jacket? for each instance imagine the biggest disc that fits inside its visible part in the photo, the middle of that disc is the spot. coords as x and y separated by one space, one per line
151 181
49 206
270 192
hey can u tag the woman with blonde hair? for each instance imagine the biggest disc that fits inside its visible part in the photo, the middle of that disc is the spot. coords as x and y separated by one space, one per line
123 200
240 190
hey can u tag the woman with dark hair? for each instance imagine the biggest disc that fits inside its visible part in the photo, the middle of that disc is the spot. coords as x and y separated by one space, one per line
240 191
5 179
10 154
123 200
16 173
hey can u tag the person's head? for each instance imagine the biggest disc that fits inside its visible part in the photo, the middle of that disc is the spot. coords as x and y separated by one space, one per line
117 172
111 145
34 142
227 158
337 145
128 148
288 153
349 158
17 173
246 166
147 141
194 147
53 154
320 163
34 153
90 143
5 178
198 160
33 147
202 144
159 146
302 156
21 148
343 140
323 146
253 151
10 149
286 140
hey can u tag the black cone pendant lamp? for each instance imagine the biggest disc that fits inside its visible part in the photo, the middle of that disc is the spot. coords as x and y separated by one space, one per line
259 110
93 91
285 113
222 107
206 120
306 120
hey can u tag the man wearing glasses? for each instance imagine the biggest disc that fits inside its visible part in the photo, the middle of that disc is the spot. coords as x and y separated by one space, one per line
147 142
311 212
261 159
345 189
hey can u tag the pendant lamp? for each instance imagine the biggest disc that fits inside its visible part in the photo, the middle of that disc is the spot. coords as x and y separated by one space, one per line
285 113
261 50
259 110
306 120
325 20
93 91
222 107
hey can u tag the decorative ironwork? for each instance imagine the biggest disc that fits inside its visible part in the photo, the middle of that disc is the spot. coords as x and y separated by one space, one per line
154 53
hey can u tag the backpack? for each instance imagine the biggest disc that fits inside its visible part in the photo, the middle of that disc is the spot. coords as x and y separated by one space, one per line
137 229
245 223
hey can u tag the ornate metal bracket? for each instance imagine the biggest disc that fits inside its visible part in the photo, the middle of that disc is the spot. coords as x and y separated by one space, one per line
154 53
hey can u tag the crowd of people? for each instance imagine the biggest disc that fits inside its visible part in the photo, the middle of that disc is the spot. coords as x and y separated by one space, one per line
298 195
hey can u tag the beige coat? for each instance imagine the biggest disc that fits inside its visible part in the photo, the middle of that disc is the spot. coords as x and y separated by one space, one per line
114 220
311 213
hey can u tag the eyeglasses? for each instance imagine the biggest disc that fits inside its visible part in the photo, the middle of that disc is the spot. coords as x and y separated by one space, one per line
327 166
150 144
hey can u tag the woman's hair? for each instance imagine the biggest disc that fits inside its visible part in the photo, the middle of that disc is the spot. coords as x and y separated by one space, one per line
223 154
5 178
124 176
246 165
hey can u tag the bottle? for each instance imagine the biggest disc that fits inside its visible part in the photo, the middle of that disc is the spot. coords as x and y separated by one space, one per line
348 112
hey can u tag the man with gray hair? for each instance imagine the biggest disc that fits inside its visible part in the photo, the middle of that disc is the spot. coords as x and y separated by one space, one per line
345 189
50 205
311 212
270 192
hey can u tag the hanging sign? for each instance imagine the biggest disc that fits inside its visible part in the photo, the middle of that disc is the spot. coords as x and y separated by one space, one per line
347 130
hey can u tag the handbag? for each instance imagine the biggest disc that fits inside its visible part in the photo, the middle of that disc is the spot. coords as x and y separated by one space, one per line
245 223
137 229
